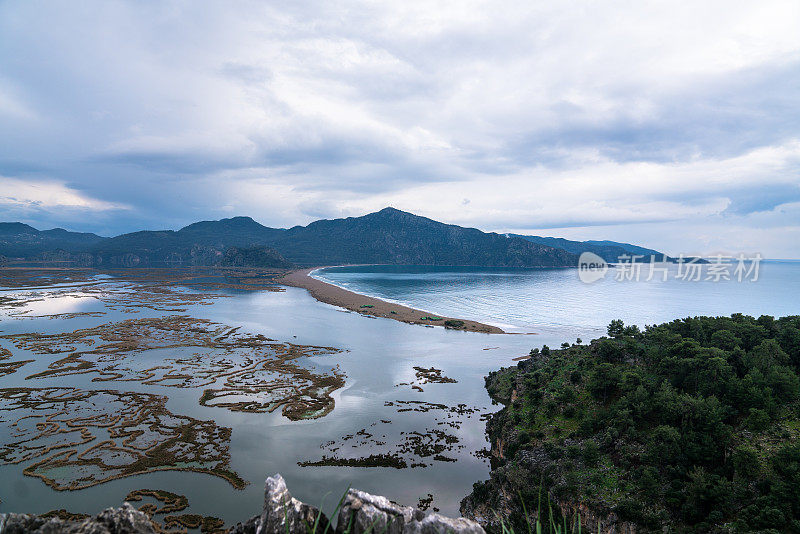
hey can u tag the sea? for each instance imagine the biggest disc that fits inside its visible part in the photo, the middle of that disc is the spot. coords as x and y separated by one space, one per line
380 359
558 306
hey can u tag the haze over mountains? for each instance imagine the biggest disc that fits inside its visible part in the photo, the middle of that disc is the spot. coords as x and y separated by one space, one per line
389 236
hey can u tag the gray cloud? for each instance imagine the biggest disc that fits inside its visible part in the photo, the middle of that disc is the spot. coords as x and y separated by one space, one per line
725 117
288 112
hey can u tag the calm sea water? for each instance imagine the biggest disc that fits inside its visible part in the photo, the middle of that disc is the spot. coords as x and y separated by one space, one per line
379 358
556 304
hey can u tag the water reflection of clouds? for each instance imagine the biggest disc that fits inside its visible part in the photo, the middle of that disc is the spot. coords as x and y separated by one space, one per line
403 374
347 401
56 304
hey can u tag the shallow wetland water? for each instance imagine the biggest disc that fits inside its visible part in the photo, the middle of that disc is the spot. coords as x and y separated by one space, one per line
199 385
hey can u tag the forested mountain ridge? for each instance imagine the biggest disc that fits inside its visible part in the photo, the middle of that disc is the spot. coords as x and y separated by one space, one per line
201 243
22 240
397 237
389 236
611 251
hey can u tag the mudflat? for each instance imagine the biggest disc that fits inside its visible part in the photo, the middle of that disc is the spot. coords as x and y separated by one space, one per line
365 305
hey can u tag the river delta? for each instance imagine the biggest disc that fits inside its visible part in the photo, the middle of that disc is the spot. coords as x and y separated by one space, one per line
200 383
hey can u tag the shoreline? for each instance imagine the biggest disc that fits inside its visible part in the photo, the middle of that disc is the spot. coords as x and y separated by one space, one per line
337 296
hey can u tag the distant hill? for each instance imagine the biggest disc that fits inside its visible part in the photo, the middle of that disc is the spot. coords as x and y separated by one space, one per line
201 243
389 236
608 250
18 240
631 249
236 231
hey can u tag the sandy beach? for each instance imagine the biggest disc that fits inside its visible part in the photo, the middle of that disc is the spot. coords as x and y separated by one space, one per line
343 298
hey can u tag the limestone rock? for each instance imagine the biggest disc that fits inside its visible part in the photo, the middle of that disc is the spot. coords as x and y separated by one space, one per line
438 524
362 512
281 508
251 526
123 520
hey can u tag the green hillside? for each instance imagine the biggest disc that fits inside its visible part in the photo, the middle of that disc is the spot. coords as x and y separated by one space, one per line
692 424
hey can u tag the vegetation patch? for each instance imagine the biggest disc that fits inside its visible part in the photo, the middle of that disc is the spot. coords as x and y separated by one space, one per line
206 524
427 376
73 439
373 460
170 502
691 425
404 449
167 502
7 367
160 503
425 503
239 372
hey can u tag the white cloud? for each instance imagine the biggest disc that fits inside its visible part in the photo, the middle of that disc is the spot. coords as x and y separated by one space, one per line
598 191
17 194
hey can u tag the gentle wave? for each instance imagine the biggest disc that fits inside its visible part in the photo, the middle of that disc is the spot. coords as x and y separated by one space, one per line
557 299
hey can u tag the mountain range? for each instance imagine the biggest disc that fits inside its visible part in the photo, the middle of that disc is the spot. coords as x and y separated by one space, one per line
18 240
389 236
611 251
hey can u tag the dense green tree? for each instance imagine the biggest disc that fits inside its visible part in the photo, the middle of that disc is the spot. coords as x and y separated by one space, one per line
693 423
616 328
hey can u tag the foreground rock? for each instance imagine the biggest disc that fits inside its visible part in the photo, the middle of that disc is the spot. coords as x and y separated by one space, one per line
360 513
124 520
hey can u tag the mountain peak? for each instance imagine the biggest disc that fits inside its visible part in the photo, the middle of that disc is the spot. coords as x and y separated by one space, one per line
240 222
393 212
17 228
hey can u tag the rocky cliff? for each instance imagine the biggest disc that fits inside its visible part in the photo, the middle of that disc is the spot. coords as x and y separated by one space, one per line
524 469
359 513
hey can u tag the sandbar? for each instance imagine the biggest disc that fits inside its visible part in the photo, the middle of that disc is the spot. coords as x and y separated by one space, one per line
365 305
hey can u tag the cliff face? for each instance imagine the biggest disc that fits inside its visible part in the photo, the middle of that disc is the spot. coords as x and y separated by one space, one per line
359 513
520 469
499 497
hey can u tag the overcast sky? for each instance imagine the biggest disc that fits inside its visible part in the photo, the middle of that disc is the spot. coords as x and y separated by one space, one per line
671 124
